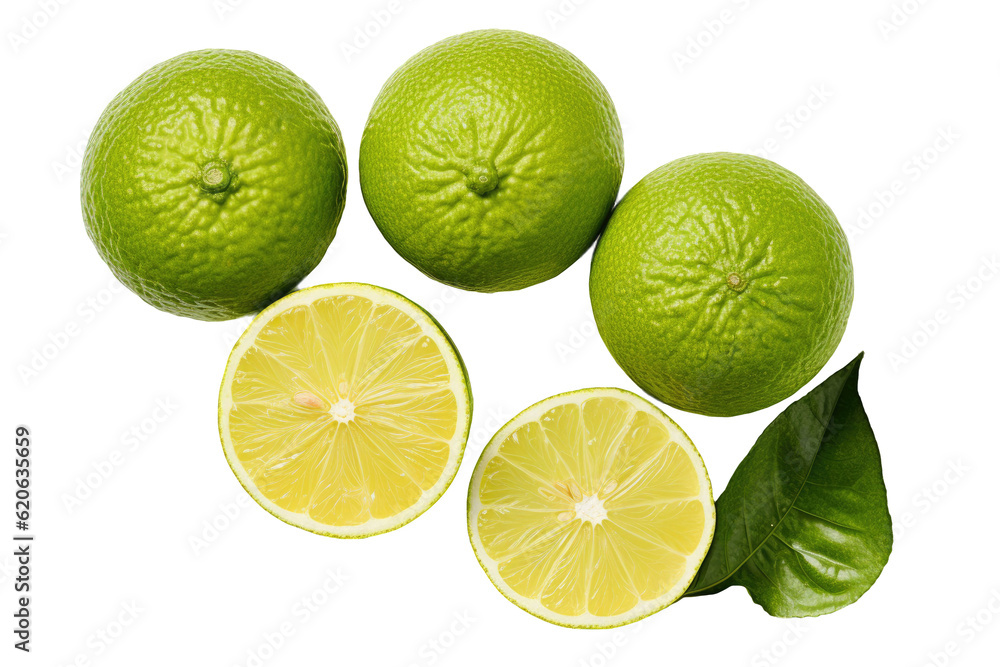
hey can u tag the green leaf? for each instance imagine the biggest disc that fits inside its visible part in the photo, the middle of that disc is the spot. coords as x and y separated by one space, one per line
804 524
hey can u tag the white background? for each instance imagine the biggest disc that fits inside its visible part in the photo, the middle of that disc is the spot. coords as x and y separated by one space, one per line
881 95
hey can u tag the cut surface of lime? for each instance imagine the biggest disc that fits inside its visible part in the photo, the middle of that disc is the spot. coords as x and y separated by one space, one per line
591 509
344 410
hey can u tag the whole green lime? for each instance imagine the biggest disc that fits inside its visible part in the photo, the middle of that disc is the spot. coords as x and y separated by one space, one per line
722 283
214 183
491 160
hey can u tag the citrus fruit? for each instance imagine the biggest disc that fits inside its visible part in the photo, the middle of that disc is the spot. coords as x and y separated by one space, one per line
491 160
344 410
214 183
722 283
591 509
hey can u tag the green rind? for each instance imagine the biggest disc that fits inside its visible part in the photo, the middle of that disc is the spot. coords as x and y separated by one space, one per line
482 101
465 437
214 256
660 295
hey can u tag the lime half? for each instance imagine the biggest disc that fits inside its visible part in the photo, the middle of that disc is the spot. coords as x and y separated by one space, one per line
591 509
344 410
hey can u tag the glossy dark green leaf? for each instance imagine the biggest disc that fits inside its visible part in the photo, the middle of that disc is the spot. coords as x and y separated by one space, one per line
803 524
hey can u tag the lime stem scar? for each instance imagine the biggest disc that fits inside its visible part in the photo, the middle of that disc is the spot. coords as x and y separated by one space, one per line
734 281
481 176
215 176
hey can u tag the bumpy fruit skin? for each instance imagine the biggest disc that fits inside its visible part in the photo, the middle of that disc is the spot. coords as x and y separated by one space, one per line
491 160
214 183
722 284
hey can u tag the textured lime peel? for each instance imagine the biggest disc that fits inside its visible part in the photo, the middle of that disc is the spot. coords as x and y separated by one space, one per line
591 509
491 160
214 183
344 410
722 283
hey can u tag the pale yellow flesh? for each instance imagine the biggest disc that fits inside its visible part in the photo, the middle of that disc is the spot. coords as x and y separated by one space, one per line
344 413
593 510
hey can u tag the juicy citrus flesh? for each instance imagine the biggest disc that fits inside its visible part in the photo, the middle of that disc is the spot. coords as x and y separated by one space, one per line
722 283
344 410
214 183
591 509
491 160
